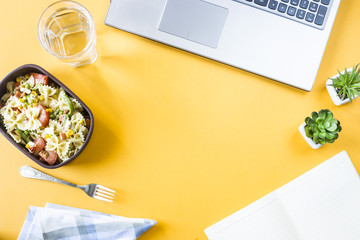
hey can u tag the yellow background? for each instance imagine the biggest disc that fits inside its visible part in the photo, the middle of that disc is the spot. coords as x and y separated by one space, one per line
183 140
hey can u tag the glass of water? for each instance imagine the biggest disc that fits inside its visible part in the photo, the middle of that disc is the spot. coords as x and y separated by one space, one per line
66 30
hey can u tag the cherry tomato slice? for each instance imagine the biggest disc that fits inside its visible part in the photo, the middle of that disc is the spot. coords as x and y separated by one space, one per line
40 78
40 144
44 116
51 159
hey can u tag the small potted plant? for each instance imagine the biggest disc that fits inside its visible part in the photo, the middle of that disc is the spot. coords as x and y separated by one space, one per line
345 86
320 128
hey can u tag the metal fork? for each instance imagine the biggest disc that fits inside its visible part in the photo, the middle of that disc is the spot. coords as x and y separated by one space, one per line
93 190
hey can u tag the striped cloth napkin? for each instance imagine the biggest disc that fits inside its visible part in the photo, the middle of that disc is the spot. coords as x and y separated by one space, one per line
68 223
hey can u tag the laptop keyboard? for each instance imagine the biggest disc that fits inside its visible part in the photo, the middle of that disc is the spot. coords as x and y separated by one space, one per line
313 13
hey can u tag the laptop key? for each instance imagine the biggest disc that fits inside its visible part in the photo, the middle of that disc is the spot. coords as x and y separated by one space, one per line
282 7
307 12
300 14
273 4
310 17
313 7
320 17
294 2
261 2
304 4
291 11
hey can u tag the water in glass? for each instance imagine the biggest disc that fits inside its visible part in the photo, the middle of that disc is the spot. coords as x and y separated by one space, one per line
68 33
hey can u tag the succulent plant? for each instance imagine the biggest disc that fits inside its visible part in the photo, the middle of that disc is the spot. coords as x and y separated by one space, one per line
347 84
321 127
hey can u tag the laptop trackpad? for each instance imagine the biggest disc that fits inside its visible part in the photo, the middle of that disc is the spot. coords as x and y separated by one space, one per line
195 20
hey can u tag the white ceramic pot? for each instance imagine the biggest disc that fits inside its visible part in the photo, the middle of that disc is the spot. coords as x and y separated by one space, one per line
332 91
307 139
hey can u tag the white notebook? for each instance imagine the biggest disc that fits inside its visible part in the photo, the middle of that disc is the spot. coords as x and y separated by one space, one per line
322 204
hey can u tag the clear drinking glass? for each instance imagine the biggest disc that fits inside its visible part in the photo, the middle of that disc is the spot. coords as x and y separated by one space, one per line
66 30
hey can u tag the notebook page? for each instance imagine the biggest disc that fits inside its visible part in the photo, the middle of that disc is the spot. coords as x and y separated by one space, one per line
324 203
263 219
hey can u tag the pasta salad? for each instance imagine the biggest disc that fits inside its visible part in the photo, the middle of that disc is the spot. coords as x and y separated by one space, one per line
43 118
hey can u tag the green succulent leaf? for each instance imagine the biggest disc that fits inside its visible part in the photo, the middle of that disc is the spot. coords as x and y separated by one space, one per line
356 91
330 136
308 132
322 127
333 120
322 135
347 83
332 128
329 116
314 115
327 125
322 114
316 135
319 120
309 121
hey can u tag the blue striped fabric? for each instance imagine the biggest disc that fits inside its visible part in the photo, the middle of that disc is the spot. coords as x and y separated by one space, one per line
66 223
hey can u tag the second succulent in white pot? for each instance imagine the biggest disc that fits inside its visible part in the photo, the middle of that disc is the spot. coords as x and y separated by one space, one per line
320 128
345 86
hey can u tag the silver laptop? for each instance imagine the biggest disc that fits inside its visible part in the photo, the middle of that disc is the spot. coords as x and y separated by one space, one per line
280 39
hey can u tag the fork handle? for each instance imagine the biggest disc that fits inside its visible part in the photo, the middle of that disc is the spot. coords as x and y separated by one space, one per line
29 172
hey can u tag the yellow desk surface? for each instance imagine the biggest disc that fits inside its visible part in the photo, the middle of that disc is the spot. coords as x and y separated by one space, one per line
182 139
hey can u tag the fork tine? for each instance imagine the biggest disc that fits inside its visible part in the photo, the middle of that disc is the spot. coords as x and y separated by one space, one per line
102 191
101 198
103 195
105 188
